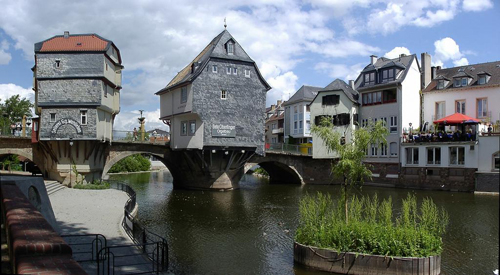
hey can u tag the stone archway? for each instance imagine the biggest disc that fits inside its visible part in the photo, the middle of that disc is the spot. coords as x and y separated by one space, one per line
23 152
278 172
114 158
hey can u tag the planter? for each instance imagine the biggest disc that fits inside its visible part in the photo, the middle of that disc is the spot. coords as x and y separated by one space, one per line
349 263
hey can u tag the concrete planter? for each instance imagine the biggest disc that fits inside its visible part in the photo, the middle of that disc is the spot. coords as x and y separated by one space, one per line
349 263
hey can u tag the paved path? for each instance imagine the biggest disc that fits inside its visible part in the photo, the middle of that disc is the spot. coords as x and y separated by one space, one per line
90 212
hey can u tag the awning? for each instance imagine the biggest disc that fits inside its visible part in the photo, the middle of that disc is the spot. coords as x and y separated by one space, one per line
457 118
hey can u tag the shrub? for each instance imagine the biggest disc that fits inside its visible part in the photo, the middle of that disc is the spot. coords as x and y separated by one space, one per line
134 163
415 232
95 185
260 171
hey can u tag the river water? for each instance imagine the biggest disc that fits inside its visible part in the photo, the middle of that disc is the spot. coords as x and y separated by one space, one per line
250 230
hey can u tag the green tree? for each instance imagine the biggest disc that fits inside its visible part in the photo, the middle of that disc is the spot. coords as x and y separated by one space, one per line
350 167
13 110
134 163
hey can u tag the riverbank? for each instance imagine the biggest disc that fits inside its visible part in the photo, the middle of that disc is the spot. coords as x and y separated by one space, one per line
139 172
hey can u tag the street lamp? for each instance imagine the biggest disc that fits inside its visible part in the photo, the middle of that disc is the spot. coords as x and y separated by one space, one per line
141 122
28 123
71 159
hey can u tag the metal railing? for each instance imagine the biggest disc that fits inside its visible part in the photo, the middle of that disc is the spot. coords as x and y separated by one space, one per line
121 259
294 149
130 136
153 246
85 246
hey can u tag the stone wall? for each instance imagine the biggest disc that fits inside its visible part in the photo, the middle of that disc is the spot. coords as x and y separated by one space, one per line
70 65
246 98
435 178
487 182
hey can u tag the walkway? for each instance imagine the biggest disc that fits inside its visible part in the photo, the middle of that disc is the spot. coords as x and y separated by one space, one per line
90 212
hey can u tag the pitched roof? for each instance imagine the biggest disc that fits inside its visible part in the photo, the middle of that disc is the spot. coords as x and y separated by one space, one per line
340 85
491 68
403 62
305 93
214 49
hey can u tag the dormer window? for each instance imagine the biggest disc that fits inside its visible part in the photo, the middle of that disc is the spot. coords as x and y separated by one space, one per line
387 75
440 84
370 78
230 47
460 82
483 78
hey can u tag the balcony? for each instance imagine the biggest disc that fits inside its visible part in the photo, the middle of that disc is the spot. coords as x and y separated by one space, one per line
277 131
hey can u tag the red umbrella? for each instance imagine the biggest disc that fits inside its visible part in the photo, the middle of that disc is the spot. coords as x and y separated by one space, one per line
456 118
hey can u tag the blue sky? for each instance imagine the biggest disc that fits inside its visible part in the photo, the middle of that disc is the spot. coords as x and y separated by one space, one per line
295 43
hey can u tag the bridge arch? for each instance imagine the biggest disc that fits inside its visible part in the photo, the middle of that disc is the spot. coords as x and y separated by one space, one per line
121 155
24 152
279 172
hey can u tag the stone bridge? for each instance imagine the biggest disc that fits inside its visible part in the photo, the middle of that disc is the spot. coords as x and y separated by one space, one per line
198 169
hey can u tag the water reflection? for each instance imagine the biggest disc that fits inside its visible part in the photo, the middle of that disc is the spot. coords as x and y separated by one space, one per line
250 230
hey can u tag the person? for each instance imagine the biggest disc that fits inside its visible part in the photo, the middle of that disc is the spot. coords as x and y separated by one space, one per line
135 134
490 129
154 134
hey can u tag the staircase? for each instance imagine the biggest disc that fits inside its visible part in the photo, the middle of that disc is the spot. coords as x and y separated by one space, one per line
53 187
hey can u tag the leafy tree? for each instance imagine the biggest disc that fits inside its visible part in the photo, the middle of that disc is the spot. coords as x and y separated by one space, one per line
13 110
350 166
134 163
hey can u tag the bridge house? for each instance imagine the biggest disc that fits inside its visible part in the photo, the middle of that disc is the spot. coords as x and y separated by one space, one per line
214 107
77 82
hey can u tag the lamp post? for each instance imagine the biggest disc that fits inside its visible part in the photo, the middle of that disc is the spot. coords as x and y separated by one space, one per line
71 159
19 127
141 122
28 123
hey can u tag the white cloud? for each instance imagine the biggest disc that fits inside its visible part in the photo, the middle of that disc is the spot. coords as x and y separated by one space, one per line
341 71
126 121
8 90
461 62
283 87
447 49
396 52
477 5
5 57
343 48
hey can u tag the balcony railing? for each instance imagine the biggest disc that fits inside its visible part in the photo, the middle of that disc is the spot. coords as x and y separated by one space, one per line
278 131
130 136
293 149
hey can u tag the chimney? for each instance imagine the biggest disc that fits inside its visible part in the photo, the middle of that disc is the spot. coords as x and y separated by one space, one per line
273 107
351 83
373 59
433 72
426 75
66 34
278 103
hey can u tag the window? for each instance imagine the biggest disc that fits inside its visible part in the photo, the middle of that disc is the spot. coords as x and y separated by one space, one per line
482 79
295 125
235 71
412 155
52 117
389 96
464 81
228 70
192 127
393 126
434 155
374 149
247 73
58 63
482 107
383 149
394 148
440 111
214 69
105 90
460 82
440 84
184 128
370 78
496 161
230 48
184 94
106 66
387 75
457 155
330 100
223 94
460 106
83 117
300 124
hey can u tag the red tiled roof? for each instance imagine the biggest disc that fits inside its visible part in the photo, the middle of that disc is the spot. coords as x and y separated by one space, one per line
74 43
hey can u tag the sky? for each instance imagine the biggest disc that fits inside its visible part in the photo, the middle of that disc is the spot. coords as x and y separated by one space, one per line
294 43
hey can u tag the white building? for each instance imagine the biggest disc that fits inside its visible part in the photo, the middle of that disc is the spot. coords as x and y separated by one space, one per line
338 101
389 90
297 116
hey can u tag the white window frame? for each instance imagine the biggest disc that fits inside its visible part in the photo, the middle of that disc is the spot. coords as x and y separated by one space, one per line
383 150
192 128
374 149
214 68
184 128
228 70
235 71
393 126
223 94
230 48
395 153
83 117
247 73
440 112
58 63
434 154
456 161
481 80
184 95
460 106
484 111
440 84
54 117
410 154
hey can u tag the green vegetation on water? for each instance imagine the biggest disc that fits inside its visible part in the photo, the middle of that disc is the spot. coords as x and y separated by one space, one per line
95 185
134 163
372 228
260 171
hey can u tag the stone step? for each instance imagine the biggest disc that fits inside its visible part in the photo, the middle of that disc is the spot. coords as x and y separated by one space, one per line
53 187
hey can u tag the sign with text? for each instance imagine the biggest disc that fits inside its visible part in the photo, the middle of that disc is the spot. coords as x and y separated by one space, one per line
66 121
221 130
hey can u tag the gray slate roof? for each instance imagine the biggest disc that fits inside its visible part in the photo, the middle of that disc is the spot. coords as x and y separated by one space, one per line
402 62
216 50
340 85
490 68
305 93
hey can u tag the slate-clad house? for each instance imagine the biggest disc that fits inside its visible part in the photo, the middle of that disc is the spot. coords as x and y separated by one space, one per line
338 102
216 101
77 82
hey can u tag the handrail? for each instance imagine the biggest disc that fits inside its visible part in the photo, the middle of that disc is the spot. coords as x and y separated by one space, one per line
98 242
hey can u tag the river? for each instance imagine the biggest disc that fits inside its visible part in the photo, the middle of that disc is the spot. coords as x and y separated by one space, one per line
250 230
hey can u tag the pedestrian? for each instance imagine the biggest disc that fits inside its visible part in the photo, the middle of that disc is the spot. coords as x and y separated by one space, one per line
135 134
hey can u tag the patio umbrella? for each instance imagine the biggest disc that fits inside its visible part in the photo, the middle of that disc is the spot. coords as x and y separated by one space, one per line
456 118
